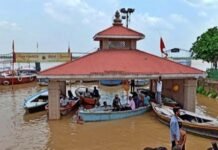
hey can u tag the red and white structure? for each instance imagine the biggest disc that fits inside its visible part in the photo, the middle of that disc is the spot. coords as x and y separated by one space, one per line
118 58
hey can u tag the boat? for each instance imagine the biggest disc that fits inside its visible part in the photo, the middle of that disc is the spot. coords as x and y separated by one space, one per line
21 79
19 76
110 82
141 82
106 114
192 122
36 102
73 104
81 90
166 100
87 102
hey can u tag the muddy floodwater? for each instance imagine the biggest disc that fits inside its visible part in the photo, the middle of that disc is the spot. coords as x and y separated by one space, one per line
23 131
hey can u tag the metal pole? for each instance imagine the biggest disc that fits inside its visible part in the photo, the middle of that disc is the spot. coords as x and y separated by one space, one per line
127 19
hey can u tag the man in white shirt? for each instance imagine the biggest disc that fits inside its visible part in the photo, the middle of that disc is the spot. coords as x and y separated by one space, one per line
159 90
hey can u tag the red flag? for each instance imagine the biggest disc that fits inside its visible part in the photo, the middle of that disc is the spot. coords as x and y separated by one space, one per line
162 45
13 52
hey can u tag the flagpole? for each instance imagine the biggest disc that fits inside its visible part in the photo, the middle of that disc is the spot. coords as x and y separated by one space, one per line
13 61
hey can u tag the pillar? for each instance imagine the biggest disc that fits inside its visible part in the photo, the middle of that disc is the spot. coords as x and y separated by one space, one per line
168 90
53 100
133 44
190 94
62 85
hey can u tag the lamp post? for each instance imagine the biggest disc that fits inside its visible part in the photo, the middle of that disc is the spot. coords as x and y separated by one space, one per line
127 12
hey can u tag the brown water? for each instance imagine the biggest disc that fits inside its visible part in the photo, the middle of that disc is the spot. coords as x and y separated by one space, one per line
20 131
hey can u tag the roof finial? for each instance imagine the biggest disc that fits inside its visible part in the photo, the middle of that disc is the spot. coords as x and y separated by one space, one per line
117 20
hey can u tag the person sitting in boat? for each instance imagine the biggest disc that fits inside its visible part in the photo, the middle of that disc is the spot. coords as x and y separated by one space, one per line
146 99
106 106
87 93
64 101
130 104
95 92
136 99
116 103
141 99
70 94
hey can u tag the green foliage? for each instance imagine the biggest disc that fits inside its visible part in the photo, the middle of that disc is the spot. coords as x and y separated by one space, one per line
200 89
212 94
212 74
206 46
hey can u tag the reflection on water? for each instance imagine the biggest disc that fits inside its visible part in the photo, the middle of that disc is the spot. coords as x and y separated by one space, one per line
15 131
19 130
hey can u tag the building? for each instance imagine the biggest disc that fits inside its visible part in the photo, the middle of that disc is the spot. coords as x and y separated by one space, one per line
118 58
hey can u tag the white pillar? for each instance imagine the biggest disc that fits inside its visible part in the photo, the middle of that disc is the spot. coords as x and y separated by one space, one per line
190 94
54 100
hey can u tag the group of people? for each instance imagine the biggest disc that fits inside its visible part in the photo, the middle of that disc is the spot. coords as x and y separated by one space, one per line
133 102
64 100
94 94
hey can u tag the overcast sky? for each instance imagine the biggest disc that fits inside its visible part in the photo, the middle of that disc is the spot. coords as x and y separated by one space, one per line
55 23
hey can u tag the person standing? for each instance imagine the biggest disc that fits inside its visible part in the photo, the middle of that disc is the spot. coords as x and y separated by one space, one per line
174 128
95 92
159 90
132 84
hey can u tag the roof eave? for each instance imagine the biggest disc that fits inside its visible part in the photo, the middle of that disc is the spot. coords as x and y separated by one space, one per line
121 76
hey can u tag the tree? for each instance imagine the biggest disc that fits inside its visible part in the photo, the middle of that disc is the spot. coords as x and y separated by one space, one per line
206 46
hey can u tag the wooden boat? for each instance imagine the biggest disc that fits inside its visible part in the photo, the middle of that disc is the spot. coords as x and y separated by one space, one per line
36 102
73 104
166 100
110 82
192 122
87 102
106 114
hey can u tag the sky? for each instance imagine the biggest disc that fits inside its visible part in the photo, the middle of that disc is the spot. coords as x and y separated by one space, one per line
56 23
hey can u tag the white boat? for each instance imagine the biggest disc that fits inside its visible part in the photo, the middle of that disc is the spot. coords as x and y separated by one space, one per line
37 101
192 122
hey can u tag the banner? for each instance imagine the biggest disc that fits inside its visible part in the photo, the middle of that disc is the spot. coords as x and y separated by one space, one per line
42 57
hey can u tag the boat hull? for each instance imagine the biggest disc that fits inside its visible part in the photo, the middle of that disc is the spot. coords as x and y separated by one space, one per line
65 110
36 102
36 109
89 116
205 130
111 82
9 80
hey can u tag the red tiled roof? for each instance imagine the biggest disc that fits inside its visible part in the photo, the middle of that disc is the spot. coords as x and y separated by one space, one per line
119 31
134 62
